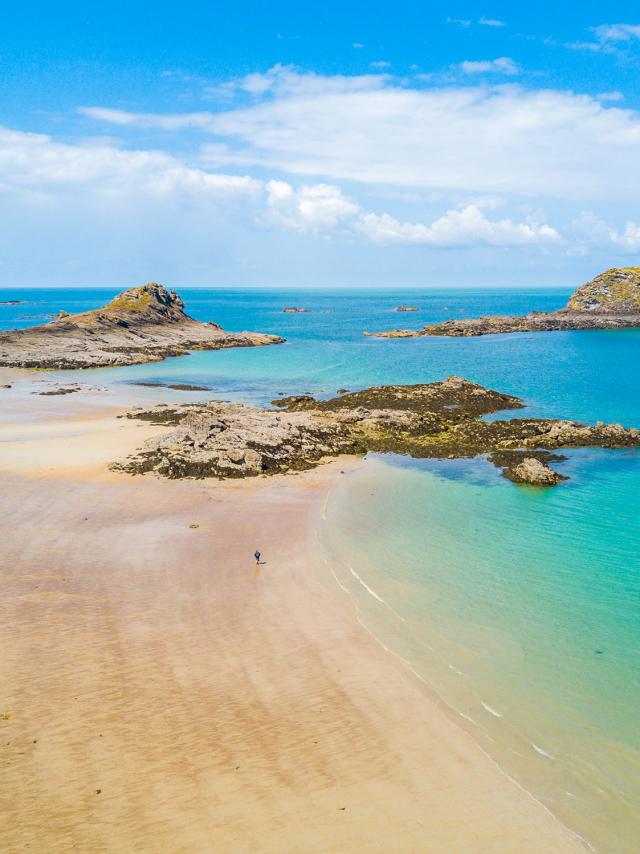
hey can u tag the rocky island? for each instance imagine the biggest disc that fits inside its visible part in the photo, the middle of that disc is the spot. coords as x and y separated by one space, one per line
436 420
610 301
406 308
144 324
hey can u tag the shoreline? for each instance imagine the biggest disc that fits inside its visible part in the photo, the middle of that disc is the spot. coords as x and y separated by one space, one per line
165 692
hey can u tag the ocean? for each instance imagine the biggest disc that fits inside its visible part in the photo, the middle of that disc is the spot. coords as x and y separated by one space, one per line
519 607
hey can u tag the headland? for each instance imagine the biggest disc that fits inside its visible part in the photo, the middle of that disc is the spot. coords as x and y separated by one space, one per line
144 324
610 301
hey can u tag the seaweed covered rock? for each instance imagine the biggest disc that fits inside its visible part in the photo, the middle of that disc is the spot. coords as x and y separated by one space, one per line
534 472
442 419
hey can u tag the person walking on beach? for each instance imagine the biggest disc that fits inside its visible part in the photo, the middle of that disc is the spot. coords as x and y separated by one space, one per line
257 557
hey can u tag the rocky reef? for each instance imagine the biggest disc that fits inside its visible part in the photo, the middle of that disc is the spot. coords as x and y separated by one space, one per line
610 301
436 420
144 324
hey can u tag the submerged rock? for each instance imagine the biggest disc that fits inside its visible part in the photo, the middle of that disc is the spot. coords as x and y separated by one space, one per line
442 419
610 301
144 324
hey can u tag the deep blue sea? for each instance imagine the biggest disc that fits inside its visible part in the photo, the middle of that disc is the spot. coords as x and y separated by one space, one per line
519 607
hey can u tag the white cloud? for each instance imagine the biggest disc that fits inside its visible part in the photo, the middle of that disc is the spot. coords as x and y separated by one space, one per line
629 239
502 65
609 96
35 167
491 22
313 209
370 128
357 45
596 232
466 227
608 37
617 32
379 63
169 122
460 22
477 139
36 162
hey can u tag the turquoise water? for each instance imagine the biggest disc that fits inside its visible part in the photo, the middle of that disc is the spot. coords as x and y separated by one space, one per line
519 607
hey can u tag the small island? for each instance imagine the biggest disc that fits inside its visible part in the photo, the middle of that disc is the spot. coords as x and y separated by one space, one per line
144 324
406 308
293 309
436 420
610 301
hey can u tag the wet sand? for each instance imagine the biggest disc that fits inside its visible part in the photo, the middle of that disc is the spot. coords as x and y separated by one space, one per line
162 693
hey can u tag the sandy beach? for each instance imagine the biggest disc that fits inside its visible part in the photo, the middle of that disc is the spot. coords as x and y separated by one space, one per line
159 692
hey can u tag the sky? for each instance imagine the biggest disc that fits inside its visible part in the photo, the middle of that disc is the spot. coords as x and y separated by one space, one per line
336 144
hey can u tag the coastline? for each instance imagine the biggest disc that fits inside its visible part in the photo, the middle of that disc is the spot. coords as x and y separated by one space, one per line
166 693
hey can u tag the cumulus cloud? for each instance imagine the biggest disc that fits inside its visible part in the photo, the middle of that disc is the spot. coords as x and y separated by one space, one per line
475 139
502 65
466 227
34 166
595 231
629 239
313 209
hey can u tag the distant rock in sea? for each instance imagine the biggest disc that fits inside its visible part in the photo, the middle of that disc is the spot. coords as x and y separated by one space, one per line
406 308
292 309
144 324
610 301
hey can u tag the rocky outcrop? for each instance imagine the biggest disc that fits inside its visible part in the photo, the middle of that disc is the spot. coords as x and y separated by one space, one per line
406 308
610 301
533 472
292 309
144 324
435 420
617 291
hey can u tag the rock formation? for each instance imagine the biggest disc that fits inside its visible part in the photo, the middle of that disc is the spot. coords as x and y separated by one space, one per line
406 308
436 420
144 324
534 472
610 301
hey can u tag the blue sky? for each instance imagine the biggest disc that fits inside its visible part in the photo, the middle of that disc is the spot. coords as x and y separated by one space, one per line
307 144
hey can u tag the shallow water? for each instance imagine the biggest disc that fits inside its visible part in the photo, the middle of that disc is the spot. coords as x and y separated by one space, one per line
520 607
